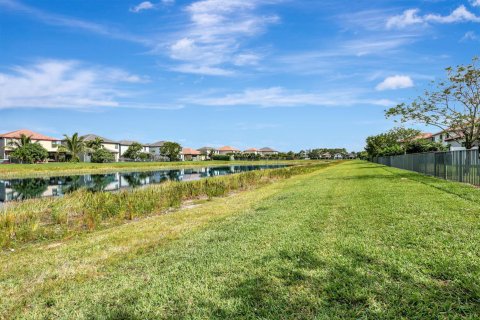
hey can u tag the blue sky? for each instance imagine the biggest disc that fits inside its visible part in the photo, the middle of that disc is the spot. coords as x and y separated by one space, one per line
290 74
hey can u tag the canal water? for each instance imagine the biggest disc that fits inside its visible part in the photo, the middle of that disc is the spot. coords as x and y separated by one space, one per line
28 188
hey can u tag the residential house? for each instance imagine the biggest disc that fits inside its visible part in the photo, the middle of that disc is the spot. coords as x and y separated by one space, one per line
267 151
125 144
338 156
251 151
154 149
326 156
107 144
456 142
189 154
351 156
228 150
207 151
7 142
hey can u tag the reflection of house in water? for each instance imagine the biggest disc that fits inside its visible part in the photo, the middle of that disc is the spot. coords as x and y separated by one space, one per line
21 189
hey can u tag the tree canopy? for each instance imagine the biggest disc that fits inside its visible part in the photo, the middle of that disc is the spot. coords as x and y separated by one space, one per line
74 146
133 152
399 141
30 153
452 104
171 150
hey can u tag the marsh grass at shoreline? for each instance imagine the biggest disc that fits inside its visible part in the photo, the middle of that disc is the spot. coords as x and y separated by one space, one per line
83 210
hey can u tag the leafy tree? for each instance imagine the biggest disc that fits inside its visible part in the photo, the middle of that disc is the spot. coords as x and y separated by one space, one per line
171 150
423 145
30 153
133 151
453 104
144 156
390 143
74 145
102 156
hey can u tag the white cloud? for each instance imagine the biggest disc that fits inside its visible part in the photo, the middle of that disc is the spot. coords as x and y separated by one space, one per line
280 97
202 70
213 39
461 14
395 82
145 5
411 17
63 84
407 18
470 35
475 3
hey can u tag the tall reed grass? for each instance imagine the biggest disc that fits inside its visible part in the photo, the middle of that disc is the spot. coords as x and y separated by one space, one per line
83 210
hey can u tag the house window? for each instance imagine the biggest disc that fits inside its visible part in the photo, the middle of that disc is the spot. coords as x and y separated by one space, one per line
116 146
54 144
441 137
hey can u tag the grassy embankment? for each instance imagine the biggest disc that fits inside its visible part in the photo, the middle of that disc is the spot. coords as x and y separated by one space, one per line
53 218
11 171
356 240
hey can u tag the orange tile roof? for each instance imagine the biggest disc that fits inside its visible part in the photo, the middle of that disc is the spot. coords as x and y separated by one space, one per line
228 148
33 135
251 150
190 151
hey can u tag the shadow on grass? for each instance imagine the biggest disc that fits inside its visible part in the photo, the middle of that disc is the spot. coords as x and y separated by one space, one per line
303 286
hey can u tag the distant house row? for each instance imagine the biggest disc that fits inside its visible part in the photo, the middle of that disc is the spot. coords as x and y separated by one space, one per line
118 148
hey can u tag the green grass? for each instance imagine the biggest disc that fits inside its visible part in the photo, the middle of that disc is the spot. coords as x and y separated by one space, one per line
11 171
355 240
84 210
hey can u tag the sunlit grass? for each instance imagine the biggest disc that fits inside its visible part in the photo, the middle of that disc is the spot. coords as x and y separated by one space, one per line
351 241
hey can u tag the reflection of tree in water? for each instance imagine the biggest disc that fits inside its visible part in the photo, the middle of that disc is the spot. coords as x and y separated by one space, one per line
174 175
71 183
28 188
101 181
133 179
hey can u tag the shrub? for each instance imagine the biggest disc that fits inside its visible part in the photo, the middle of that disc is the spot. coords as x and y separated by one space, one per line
30 153
102 156
221 157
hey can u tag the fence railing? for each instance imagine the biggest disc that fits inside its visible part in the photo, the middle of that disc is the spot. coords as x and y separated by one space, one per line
461 166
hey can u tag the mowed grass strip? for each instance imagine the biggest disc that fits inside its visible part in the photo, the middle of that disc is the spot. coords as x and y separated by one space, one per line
356 240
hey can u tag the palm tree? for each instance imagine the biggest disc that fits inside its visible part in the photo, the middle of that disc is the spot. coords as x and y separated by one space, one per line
24 140
95 144
74 145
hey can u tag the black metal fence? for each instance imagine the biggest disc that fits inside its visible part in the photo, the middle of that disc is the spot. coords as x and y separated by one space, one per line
461 166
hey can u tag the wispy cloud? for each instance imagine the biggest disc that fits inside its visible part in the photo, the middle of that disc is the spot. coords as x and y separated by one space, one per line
145 5
475 3
64 84
470 36
395 82
212 40
412 17
280 97
70 22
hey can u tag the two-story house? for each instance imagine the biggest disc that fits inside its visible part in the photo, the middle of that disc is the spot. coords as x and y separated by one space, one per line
7 142
107 144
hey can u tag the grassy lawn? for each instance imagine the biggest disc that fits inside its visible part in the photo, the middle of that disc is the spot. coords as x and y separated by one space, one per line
354 240
10 171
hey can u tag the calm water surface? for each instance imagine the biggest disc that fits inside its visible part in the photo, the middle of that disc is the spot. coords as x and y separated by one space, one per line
28 188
